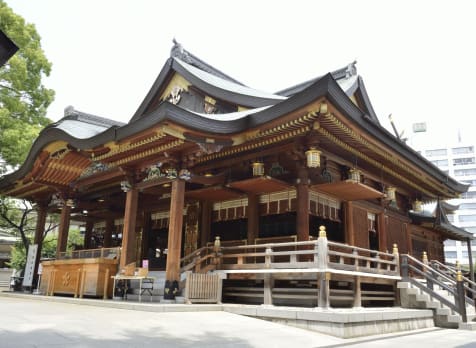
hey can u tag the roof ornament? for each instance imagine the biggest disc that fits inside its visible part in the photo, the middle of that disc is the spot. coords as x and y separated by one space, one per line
177 51
69 111
351 69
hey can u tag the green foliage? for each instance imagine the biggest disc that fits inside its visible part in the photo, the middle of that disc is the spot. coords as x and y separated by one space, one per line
48 249
23 98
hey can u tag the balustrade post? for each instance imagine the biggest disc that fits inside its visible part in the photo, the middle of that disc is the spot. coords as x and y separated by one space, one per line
404 267
217 250
267 257
322 264
460 298
427 271
396 258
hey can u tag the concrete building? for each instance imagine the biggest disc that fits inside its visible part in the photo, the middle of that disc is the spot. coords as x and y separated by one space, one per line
457 158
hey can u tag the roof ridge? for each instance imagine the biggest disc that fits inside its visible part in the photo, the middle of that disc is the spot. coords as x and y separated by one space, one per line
179 52
71 113
344 72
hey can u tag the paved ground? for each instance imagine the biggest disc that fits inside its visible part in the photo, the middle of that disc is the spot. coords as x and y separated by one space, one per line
34 323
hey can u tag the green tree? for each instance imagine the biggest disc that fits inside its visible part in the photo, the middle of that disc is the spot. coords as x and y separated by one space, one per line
23 98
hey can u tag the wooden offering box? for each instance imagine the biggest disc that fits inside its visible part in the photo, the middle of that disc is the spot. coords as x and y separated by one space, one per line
86 272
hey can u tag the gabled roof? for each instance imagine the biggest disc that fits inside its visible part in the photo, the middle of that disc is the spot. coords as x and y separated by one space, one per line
84 131
439 221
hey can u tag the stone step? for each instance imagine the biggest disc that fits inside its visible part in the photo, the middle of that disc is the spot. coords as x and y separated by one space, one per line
471 326
422 298
404 285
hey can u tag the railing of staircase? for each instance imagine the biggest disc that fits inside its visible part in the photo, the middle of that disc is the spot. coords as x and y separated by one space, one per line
413 270
469 286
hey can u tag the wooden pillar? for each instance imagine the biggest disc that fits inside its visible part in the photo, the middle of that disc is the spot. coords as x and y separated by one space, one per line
147 227
253 218
206 223
63 230
107 242
39 231
172 271
349 223
302 206
88 234
470 259
382 232
129 234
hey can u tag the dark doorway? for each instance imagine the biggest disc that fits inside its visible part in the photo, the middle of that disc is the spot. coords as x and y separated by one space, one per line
157 254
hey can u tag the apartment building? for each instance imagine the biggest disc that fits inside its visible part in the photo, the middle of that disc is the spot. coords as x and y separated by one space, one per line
458 160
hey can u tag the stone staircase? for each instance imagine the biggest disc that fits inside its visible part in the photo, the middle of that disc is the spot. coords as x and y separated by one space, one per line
413 297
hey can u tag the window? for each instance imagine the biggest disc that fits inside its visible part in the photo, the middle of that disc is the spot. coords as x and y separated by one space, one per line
440 163
463 161
437 152
473 243
465 218
450 242
450 254
465 254
465 172
460 150
467 195
467 206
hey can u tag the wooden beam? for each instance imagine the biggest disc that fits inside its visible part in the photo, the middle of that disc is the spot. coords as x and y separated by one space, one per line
172 272
206 222
302 206
348 223
63 230
253 218
128 253
39 231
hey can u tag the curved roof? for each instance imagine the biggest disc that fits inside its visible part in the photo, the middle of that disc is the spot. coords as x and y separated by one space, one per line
84 131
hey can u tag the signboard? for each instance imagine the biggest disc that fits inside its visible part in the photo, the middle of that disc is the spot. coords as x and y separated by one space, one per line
30 265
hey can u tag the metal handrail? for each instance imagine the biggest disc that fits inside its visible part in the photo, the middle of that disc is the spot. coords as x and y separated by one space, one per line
433 276
469 284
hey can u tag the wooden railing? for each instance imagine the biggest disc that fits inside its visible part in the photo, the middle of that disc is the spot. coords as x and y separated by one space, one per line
319 257
105 253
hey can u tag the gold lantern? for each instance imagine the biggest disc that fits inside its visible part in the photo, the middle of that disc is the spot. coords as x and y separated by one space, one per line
390 192
313 158
354 175
417 206
258 168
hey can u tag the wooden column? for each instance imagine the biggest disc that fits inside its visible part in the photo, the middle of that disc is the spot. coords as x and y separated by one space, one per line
382 232
63 230
147 227
253 218
206 223
39 231
88 234
107 242
470 259
172 271
128 253
302 206
349 223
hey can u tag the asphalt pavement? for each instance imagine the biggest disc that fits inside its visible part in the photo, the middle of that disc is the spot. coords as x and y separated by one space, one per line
35 323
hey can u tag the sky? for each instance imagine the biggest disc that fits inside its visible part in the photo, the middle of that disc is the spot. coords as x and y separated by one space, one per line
417 58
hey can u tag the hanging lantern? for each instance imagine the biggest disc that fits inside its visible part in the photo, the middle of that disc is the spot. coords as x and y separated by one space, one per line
313 158
258 168
417 206
390 192
354 175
